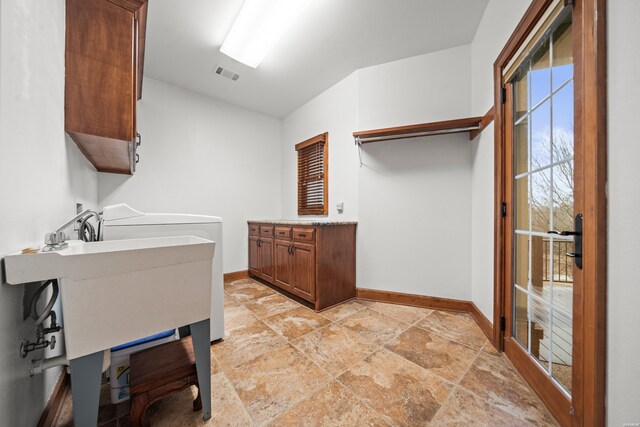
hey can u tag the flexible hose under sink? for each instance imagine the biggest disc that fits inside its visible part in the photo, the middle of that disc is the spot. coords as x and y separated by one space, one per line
39 318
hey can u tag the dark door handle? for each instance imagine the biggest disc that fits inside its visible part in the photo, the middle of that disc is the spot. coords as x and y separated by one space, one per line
577 242
259 243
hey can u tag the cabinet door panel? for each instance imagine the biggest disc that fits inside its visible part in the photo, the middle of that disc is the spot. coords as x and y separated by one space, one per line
283 264
254 259
304 271
266 258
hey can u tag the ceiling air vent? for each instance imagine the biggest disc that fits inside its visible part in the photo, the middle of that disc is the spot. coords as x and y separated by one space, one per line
226 73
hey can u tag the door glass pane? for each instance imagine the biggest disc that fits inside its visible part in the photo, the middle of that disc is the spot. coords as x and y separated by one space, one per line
521 315
540 316
521 143
521 88
562 274
563 196
540 75
543 198
562 348
522 203
539 256
563 124
540 201
541 136
522 262
562 52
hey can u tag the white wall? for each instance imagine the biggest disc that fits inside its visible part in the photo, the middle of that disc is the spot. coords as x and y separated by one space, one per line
202 156
623 292
334 111
42 176
390 244
498 22
414 197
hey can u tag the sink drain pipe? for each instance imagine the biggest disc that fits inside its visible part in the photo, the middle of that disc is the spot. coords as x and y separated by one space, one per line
39 366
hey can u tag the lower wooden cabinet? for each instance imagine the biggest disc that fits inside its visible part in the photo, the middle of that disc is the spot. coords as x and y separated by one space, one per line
303 259
316 262
254 256
284 267
261 257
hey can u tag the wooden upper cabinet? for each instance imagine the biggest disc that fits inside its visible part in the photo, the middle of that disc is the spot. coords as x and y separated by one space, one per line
104 61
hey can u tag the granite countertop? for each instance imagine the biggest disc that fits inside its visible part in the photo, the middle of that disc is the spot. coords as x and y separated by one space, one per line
303 222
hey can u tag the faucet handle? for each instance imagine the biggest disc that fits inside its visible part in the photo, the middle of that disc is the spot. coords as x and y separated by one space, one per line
52 239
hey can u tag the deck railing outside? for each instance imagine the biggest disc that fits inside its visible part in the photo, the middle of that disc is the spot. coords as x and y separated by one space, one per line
562 264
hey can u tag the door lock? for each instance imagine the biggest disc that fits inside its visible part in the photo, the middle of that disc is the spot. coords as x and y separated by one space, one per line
577 241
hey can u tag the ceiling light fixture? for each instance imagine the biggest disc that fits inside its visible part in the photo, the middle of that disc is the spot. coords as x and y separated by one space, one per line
258 28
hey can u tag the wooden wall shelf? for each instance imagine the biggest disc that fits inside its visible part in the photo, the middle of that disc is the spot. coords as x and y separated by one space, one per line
488 118
414 131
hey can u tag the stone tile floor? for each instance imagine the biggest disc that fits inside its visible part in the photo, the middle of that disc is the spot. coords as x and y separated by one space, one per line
360 363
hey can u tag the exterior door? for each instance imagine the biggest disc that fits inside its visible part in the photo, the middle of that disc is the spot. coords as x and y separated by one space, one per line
304 271
551 211
543 241
283 264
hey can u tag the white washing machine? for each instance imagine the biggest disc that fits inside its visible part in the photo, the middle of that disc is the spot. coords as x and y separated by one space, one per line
123 222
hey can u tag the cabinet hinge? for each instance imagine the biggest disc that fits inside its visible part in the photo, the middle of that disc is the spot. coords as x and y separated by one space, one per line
503 95
504 209
503 323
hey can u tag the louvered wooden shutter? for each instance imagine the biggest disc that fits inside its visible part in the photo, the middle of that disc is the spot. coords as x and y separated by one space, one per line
312 175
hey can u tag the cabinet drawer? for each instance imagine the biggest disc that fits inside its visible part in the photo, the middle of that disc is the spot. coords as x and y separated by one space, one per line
304 234
283 233
254 230
266 230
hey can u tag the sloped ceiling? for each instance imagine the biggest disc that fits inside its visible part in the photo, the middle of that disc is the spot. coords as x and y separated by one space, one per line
331 39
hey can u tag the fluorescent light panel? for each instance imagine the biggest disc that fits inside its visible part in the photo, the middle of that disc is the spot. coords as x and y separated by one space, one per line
258 28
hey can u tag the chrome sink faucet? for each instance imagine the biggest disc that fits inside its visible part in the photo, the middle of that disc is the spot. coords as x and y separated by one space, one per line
56 241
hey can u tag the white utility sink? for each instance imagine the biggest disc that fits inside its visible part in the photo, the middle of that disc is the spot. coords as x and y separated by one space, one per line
118 291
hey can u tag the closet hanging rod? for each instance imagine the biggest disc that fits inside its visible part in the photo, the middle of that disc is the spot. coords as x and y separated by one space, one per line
414 131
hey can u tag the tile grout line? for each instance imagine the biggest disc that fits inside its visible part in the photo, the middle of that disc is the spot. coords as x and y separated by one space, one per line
414 324
466 390
338 321
382 346
449 338
457 383
289 343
